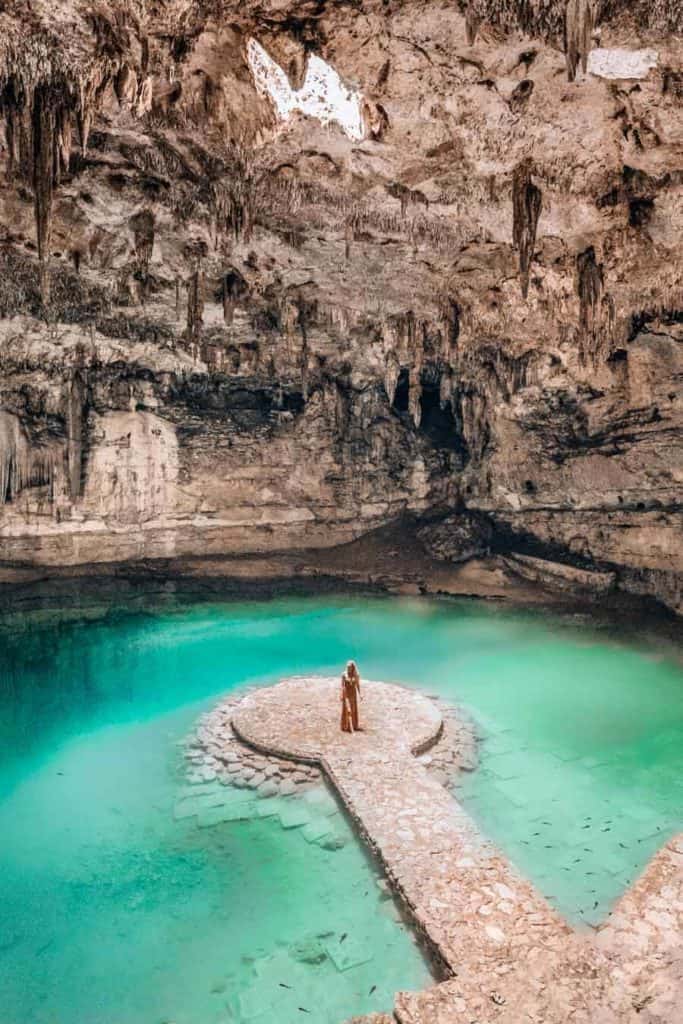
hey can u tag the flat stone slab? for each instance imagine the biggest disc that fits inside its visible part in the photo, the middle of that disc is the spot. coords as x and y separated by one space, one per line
509 956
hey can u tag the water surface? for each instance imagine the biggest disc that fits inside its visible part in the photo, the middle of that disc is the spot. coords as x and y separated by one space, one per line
113 911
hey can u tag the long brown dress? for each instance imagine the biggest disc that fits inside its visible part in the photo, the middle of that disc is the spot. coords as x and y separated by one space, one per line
350 687
346 687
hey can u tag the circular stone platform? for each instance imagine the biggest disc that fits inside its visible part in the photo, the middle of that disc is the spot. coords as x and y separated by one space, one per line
300 718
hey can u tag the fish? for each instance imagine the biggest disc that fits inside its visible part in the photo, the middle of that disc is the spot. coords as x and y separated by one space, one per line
343 937
373 989
282 985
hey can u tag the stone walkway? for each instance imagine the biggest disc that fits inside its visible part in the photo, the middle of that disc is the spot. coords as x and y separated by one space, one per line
506 954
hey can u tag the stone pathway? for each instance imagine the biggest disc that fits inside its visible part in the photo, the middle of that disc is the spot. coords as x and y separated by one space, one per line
644 938
507 955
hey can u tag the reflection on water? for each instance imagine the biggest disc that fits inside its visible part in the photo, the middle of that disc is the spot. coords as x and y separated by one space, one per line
112 910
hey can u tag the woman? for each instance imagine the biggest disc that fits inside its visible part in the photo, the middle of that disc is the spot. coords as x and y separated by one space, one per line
350 692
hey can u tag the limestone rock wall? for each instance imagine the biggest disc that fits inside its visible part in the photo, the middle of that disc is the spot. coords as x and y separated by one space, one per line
222 333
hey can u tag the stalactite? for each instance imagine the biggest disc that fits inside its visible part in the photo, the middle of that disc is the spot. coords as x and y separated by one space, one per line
44 143
451 327
22 466
415 394
296 317
340 403
232 192
142 225
12 454
303 326
472 23
341 318
275 193
446 389
143 102
64 140
289 318
392 371
40 93
228 306
589 283
43 471
88 92
578 31
406 196
233 288
597 312
126 86
14 129
177 299
195 306
75 415
38 135
527 201
233 209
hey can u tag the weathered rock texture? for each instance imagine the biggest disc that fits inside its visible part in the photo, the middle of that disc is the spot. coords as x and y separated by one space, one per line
222 334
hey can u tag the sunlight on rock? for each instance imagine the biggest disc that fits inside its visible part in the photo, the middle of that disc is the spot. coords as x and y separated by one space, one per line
323 94
619 63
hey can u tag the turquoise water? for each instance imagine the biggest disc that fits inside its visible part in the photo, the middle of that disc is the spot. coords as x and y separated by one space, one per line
112 911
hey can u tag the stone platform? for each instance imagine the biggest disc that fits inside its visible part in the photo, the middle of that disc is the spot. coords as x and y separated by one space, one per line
506 954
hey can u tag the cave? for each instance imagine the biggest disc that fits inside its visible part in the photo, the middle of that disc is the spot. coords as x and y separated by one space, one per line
402 393
640 212
437 421
341 575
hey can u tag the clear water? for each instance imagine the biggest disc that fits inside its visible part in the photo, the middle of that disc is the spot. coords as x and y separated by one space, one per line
112 911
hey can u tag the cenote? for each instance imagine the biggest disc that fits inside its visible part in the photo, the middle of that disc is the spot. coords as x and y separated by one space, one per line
113 911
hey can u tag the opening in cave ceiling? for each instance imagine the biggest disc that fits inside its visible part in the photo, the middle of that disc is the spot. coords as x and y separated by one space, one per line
323 94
